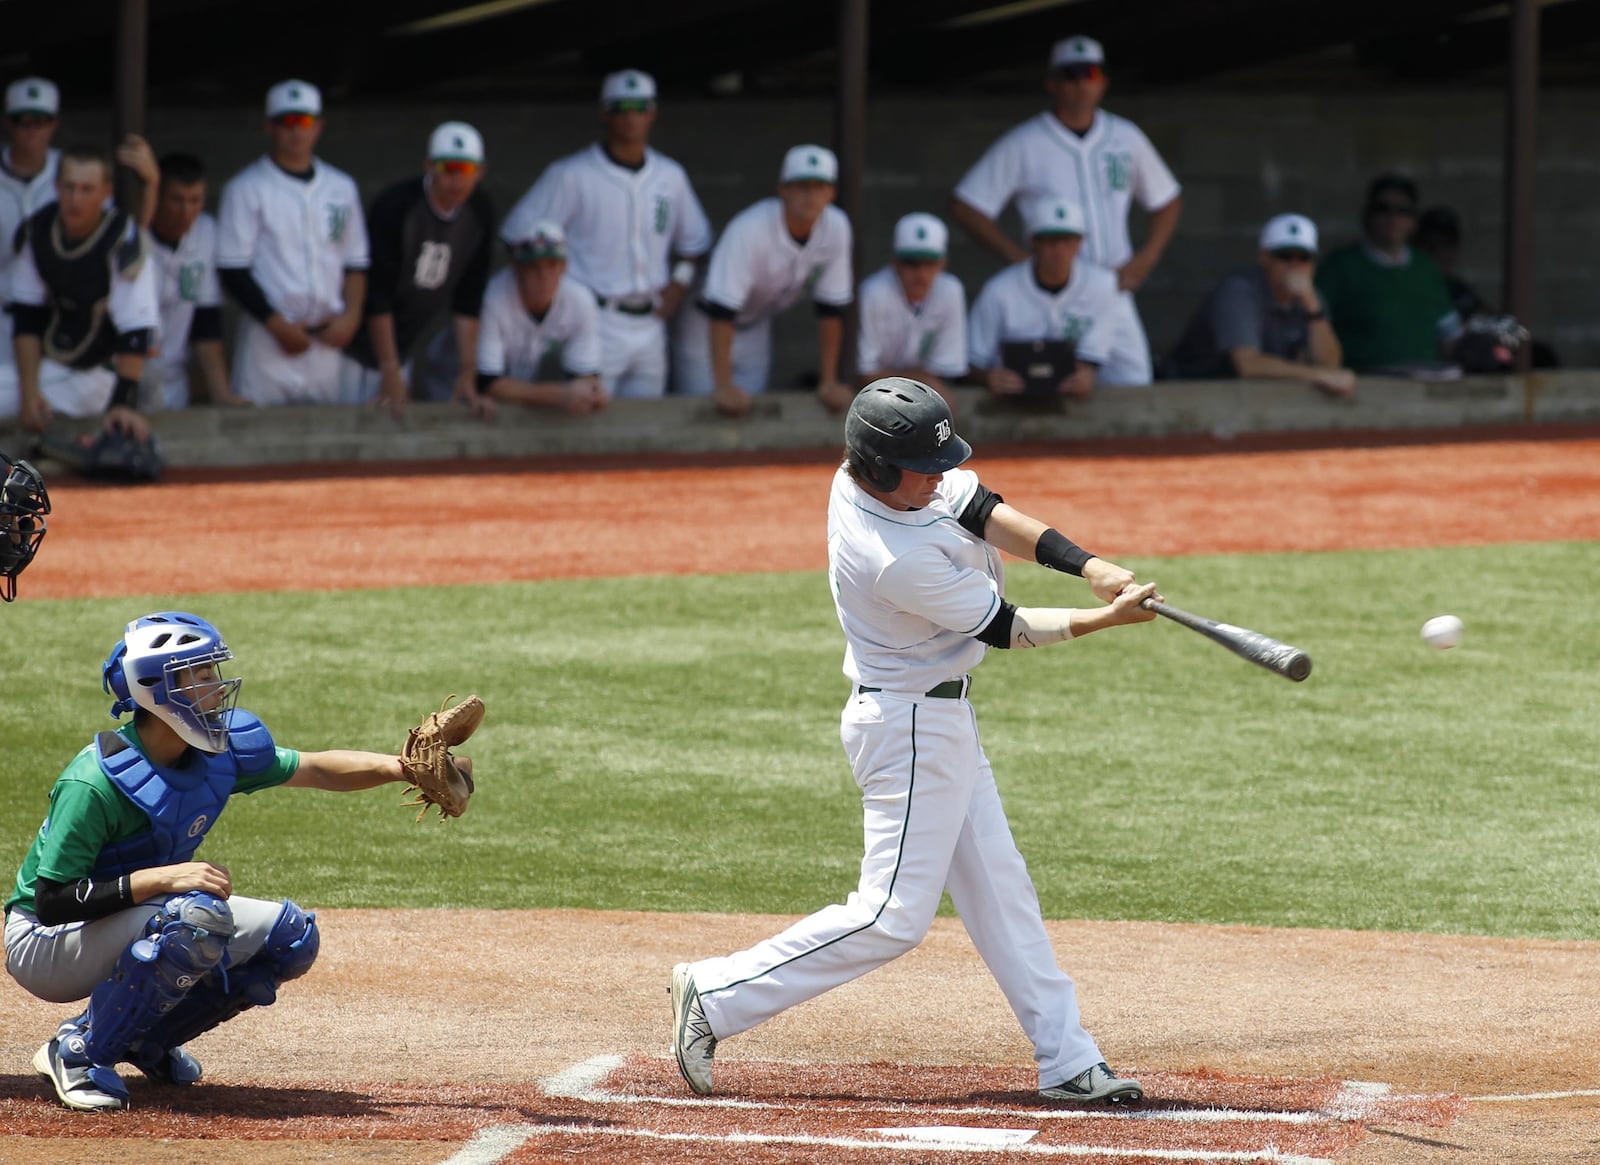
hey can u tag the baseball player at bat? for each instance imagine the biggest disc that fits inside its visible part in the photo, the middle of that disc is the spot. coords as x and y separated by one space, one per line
914 546
111 904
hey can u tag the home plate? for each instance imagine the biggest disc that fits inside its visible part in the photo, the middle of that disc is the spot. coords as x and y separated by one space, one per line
962 1135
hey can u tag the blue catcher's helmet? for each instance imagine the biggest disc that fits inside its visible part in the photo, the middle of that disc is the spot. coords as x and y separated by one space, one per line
168 663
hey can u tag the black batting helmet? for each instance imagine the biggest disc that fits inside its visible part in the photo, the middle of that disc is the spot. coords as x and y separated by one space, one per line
897 423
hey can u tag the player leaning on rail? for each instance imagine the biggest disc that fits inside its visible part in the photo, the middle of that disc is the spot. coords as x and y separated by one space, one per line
914 560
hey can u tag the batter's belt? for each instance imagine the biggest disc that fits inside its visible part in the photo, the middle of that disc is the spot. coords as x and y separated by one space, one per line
949 690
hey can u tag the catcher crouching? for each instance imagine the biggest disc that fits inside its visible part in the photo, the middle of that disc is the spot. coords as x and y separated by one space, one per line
111 905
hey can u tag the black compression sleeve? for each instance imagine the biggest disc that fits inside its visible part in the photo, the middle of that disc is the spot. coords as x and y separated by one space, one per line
84 900
1059 552
717 311
29 319
207 324
975 516
485 379
997 633
832 310
243 287
134 343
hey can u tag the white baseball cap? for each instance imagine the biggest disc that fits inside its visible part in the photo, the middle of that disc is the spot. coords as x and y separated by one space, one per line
455 141
33 95
1055 216
920 236
628 85
542 239
1289 230
294 97
1077 50
809 164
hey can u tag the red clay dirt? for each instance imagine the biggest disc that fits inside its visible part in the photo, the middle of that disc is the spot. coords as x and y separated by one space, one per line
1487 1047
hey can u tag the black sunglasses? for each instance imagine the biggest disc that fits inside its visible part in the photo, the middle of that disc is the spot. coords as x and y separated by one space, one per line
1292 255
1080 72
29 119
1396 208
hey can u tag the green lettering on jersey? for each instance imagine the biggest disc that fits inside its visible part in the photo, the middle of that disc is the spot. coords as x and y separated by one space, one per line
663 208
338 219
1119 170
189 277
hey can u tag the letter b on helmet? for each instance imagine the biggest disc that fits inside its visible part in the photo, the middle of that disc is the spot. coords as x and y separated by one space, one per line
897 424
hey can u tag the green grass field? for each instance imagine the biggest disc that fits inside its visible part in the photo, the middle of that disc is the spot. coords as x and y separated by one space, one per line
671 743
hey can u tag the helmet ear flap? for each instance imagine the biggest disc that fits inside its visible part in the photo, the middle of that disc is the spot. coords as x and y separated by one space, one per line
116 683
876 472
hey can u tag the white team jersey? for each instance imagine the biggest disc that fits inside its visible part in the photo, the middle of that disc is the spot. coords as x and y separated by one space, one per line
18 200
187 277
512 343
758 270
132 304
1012 306
912 587
297 237
623 226
1105 170
893 334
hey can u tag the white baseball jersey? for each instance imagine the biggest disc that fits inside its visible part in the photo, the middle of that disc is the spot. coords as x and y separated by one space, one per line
892 333
1105 170
623 225
296 236
1012 306
757 269
912 587
187 277
512 343
19 198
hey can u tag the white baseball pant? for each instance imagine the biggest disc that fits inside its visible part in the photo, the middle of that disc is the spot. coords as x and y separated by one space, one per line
1128 358
933 822
61 964
633 354
67 391
266 374
691 354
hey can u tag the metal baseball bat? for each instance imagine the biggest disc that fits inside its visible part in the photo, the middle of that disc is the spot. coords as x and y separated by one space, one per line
1262 650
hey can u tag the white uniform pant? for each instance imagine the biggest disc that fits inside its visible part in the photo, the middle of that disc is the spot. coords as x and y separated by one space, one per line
633 353
66 390
267 375
165 385
691 354
933 822
1128 358
62 964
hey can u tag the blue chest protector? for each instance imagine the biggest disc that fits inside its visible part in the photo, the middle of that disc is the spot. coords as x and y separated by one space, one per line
181 804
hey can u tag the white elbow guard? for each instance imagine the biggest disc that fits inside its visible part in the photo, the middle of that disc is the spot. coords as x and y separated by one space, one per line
1037 626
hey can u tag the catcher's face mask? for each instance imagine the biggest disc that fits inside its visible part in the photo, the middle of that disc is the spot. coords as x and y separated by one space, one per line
23 505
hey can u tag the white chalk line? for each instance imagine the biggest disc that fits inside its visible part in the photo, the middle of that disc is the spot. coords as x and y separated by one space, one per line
1512 1098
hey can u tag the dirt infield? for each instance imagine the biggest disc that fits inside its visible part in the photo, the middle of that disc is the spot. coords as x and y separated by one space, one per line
1255 1044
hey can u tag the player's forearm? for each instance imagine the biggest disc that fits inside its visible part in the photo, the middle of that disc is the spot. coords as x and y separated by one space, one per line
985 231
213 368
129 364
29 351
380 330
830 338
1162 226
1251 364
355 294
466 336
345 770
1014 532
546 393
722 351
1326 351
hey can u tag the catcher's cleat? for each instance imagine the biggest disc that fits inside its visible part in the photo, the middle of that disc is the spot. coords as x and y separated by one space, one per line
1096 1083
78 1083
168 1065
692 1041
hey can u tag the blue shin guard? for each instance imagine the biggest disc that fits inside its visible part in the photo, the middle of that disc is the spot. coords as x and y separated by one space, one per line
290 949
183 942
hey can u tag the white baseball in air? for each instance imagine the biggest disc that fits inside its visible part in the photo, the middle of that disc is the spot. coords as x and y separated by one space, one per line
1442 631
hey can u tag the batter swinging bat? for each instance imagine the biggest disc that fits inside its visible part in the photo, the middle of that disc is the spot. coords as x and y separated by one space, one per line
1262 650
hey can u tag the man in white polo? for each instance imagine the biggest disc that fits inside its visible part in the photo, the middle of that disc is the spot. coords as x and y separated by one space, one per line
292 251
1103 162
635 232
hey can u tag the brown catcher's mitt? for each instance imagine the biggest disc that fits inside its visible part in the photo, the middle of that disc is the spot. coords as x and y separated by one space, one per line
428 765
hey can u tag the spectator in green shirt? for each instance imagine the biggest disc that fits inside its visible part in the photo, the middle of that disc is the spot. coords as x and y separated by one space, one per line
1389 302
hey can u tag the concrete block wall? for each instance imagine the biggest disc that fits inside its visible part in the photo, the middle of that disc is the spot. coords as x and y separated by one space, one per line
1241 157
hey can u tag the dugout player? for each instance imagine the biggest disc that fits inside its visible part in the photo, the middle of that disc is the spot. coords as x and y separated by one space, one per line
914 564
292 251
772 253
635 232
1055 295
1103 162
83 298
185 256
24 504
431 240
533 314
111 904
913 313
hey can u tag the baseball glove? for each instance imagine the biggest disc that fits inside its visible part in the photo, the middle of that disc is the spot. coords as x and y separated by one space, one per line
428 765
